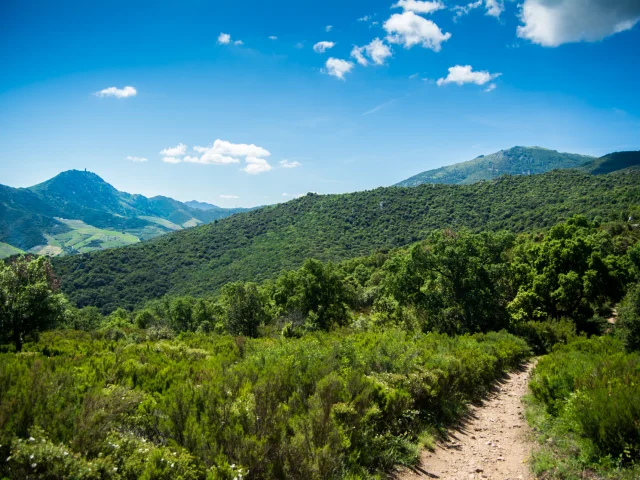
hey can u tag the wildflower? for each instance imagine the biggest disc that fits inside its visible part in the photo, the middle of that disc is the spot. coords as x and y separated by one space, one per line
34 465
115 469
31 457
66 453
31 439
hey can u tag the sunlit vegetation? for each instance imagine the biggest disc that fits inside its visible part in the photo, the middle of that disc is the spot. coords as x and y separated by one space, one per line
333 370
262 244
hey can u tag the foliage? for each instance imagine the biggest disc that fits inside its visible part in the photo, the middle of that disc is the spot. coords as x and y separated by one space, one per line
261 244
628 322
328 405
589 390
29 303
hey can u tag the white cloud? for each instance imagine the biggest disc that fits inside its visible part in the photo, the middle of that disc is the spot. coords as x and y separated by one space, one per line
293 195
377 51
137 159
409 29
465 74
227 153
288 164
171 160
256 166
229 197
238 42
328 28
338 68
212 158
224 39
552 23
366 18
491 88
494 7
418 6
117 92
177 151
322 47
273 37
237 149
299 45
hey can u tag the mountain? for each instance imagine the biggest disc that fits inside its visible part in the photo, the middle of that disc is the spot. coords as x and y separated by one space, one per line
612 162
201 205
260 244
514 161
77 211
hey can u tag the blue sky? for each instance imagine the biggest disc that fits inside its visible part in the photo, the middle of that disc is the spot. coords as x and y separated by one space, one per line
562 74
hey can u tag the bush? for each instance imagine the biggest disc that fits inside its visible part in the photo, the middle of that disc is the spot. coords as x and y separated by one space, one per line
543 336
628 323
592 387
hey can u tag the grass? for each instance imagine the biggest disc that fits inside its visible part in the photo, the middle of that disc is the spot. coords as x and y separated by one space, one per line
7 250
163 222
83 238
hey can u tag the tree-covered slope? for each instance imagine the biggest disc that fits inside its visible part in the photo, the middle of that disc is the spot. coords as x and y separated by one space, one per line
30 217
514 161
612 162
260 244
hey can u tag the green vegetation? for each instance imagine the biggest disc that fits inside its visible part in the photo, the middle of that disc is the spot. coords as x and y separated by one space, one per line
612 162
7 250
31 217
338 405
584 407
261 244
331 370
83 238
514 161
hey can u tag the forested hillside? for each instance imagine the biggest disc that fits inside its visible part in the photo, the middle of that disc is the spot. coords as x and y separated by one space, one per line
513 161
260 244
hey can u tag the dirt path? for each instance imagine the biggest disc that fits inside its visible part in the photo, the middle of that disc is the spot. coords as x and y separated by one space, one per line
491 444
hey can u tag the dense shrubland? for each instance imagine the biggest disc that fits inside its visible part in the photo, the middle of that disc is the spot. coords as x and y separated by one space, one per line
329 371
585 407
329 405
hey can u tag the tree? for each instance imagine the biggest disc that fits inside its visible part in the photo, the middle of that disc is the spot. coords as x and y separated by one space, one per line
29 302
628 323
243 307
316 291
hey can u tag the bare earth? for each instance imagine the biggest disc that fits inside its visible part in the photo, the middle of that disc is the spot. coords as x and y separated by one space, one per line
491 444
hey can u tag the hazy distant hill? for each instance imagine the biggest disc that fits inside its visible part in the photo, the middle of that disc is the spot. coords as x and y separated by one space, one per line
260 244
514 161
77 211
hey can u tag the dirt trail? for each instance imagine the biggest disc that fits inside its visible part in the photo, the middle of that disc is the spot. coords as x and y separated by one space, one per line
491 444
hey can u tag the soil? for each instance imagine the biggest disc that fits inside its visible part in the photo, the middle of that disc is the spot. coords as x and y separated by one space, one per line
493 442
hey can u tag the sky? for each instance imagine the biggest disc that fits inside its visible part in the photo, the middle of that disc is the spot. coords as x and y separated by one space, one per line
251 103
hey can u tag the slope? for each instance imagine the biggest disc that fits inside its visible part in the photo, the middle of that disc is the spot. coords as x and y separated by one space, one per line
514 161
259 244
30 218
612 162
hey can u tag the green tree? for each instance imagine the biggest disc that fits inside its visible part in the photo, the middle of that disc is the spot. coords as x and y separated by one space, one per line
29 302
316 292
628 323
244 308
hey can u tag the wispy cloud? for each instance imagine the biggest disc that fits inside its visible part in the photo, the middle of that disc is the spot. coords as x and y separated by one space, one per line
229 197
117 92
465 74
273 37
137 159
328 28
177 151
323 46
288 164
380 107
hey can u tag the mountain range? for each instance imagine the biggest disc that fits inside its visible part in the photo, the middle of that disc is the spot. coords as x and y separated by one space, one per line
78 212
259 245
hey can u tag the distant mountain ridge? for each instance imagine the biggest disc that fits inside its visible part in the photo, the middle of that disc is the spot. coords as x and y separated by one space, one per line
513 161
77 211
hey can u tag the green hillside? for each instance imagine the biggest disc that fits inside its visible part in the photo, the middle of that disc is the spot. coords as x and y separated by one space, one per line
260 244
30 217
514 161
612 162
